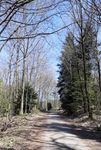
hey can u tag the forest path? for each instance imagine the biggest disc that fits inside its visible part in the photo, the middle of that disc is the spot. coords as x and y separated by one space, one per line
59 134
47 132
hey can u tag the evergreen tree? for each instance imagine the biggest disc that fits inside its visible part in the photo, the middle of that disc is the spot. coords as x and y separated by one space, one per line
68 79
29 99
75 80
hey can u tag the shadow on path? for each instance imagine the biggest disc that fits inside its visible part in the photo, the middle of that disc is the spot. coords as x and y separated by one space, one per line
7 148
31 134
80 132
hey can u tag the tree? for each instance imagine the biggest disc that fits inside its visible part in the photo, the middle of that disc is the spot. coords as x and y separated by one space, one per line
49 106
76 71
30 98
4 102
69 93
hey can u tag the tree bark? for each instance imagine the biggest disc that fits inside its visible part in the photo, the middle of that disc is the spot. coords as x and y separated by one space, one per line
84 63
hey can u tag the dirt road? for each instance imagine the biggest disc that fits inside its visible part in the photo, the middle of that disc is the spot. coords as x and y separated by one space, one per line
60 135
48 132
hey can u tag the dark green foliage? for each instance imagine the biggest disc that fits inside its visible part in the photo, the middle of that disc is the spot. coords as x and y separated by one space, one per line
68 80
4 101
70 94
71 82
29 99
49 106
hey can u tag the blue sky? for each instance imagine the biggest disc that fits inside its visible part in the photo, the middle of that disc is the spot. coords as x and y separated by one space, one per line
54 42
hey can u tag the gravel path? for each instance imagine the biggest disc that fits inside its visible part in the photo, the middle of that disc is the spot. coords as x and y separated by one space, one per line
47 132
60 135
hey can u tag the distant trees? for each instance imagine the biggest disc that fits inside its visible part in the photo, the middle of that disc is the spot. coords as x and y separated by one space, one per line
49 106
45 86
24 28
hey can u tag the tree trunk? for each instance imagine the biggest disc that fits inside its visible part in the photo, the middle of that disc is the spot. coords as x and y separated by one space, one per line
23 86
84 63
81 87
10 86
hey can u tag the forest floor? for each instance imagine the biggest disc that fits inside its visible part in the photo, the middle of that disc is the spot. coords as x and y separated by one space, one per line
48 132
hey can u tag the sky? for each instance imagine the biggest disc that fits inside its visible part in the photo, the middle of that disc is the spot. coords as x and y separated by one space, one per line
53 43
55 51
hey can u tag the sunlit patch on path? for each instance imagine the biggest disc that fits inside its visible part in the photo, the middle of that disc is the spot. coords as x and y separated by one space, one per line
59 135
48 132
